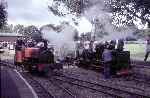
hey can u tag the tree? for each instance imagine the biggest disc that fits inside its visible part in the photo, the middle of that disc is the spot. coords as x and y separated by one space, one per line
7 28
125 12
51 26
142 33
32 32
74 6
19 29
3 15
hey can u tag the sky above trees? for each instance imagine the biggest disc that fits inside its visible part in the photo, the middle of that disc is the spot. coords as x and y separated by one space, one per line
35 12
29 12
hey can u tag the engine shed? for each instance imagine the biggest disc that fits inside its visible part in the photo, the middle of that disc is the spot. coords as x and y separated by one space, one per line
9 37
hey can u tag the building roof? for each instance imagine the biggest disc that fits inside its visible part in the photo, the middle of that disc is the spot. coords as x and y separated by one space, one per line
10 34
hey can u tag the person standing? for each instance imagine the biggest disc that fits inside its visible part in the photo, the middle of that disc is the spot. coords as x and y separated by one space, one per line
107 58
120 45
113 44
147 48
18 59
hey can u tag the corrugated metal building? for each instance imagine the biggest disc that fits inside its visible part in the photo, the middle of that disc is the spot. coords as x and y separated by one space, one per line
8 40
9 37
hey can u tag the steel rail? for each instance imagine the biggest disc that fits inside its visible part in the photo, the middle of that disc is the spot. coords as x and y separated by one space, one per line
63 88
37 84
71 80
34 82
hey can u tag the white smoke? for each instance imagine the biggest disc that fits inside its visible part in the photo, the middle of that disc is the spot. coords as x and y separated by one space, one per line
63 41
96 11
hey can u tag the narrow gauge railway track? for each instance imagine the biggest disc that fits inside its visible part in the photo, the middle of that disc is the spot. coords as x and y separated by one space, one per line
62 87
141 77
37 83
80 85
68 94
136 77
137 95
127 78
133 78
39 89
115 92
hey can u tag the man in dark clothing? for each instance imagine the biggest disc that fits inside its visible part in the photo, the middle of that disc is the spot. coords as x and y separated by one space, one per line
120 45
112 44
107 58
147 48
99 51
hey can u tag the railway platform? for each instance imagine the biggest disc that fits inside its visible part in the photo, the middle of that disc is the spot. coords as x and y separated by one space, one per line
13 85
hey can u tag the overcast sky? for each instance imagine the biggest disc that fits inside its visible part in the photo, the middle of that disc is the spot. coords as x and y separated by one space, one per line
29 12
35 12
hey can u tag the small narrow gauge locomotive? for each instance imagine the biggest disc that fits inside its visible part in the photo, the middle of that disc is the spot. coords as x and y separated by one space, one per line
35 58
120 64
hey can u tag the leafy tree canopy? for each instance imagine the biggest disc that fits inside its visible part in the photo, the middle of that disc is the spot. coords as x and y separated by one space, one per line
32 32
3 15
125 12
19 29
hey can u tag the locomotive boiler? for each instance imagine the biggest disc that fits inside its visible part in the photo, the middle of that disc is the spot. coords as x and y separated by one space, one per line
120 64
36 58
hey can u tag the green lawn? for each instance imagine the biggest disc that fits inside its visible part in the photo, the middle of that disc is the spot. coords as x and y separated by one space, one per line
135 48
137 51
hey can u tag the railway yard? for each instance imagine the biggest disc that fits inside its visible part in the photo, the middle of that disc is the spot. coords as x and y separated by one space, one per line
75 82
75 48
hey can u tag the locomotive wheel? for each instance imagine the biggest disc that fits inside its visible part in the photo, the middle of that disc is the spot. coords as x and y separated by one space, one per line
26 66
47 69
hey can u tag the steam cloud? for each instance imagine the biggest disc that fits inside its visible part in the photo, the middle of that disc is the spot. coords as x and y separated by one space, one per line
96 11
63 41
